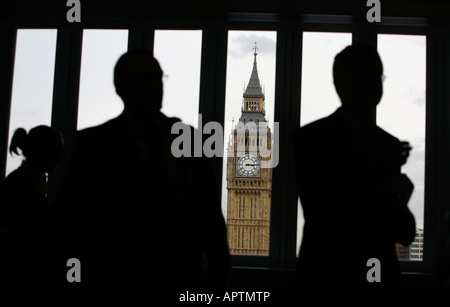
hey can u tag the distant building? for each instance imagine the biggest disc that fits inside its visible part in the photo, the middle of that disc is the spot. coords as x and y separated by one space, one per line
413 252
416 247
402 252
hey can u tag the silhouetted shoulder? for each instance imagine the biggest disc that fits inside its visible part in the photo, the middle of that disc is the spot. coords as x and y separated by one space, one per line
386 136
326 127
324 124
13 187
18 183
334 125
114 125
172 120
13 178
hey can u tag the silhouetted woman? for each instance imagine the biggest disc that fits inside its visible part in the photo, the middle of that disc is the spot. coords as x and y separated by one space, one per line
23 200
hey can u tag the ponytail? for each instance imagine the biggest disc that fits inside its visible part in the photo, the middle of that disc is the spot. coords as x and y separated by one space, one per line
18 141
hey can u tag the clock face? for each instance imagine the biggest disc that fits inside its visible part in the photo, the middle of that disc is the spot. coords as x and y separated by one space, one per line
248 165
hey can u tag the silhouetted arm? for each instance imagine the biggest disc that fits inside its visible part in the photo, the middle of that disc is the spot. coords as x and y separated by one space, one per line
215 233
400 189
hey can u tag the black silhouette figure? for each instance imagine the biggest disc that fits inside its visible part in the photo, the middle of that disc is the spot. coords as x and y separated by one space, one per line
24 205
132 213
353 194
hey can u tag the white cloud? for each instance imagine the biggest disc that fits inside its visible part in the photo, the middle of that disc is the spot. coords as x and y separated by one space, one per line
242 45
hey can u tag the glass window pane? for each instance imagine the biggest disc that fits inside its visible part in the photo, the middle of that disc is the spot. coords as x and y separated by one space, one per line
98 101
318 95
32 93
401 112
247 181
179 54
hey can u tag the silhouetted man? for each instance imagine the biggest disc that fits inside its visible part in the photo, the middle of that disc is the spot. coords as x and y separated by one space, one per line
132 213
353 195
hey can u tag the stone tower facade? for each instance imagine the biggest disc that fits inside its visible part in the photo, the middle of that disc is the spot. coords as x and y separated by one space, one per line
249 175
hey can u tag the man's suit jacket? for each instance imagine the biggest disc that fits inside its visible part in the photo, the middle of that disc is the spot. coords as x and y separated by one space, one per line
350 215
134 214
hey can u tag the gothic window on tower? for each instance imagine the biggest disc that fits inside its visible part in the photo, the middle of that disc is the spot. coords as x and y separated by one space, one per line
249 109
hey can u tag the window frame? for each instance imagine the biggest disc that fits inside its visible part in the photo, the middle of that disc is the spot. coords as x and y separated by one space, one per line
287 101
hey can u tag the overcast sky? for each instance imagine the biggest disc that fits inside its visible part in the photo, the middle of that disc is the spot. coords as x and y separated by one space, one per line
401 111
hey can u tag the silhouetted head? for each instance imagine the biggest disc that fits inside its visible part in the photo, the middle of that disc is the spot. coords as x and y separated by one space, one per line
357 73
138 81
42 146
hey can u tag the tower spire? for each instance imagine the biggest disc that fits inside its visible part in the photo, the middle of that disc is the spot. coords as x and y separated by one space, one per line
253 102
254 88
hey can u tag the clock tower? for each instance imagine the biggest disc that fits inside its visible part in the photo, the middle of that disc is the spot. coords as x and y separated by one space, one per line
249 174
